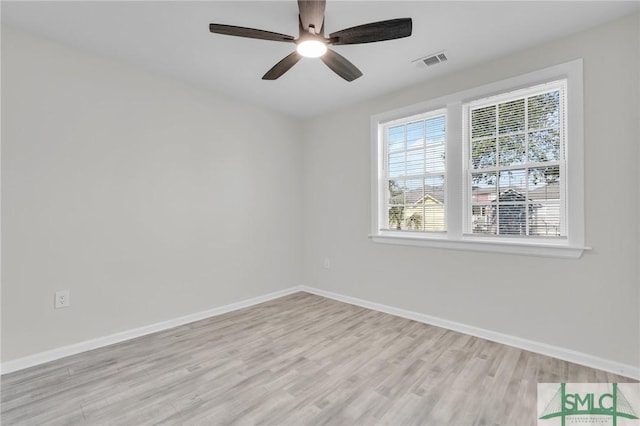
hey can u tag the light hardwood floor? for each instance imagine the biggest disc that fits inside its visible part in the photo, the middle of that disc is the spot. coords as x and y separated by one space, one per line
301 359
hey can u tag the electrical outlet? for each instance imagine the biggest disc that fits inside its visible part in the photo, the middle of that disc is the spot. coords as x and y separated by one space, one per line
62 299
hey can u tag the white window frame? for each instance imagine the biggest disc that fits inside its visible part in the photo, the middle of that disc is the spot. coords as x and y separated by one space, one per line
455 188
384 195
559 85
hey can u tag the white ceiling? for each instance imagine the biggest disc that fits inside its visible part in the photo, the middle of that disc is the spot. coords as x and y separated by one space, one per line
172 38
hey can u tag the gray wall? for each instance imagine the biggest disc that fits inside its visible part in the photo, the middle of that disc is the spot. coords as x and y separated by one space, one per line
589 305
150 200
146 198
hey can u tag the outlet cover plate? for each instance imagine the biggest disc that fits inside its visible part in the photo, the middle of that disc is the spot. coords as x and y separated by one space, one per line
62 299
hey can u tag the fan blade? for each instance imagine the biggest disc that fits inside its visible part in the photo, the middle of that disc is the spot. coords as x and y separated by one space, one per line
248 32
375 31
340 65
283 66
312 14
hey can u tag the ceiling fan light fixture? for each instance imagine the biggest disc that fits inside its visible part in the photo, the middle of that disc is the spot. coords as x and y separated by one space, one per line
311 42
312 48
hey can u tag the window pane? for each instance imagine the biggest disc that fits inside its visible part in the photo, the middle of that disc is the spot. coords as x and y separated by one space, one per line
434 189
483 196
396 217
414 191
435 130
483 184
511 116
545 219
483 153
435 158
512 202
512 150
415 162
396 164
483 219
415 218
396 138
483 122
434 217
541 177
544 145
396 192
513 185
415 134
544 196
434 203
512 219
544 110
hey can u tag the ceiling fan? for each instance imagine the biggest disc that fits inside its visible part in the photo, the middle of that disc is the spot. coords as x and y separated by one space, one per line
311 41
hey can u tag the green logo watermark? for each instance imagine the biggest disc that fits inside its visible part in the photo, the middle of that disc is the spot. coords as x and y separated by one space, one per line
588 404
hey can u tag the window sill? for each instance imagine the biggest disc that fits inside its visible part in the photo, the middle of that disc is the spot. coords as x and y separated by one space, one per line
543 249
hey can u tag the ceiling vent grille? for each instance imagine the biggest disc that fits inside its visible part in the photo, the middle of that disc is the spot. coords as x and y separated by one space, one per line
432 59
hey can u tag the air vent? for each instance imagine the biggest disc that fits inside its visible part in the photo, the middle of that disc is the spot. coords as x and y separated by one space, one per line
432 59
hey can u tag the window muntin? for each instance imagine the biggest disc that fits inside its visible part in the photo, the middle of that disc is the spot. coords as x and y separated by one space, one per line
516 163
414 179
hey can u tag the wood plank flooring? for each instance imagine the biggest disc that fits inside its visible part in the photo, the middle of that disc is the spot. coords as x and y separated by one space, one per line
301 359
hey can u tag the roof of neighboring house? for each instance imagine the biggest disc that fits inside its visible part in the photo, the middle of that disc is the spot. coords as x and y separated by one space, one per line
550 191
428 198
417 196
512 195
541 192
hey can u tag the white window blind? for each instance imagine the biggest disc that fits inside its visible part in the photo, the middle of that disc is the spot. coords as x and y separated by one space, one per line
516 163
414 152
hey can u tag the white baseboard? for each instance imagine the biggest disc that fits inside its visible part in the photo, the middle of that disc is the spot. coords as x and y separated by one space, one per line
518 342
76 348
530 345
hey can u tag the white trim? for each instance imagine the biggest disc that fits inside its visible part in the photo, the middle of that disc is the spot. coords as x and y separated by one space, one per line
456 182
530 345
99 342
506 339
473 243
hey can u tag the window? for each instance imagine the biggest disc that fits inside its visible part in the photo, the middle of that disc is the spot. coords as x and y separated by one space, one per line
516 162
415 173
495 168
